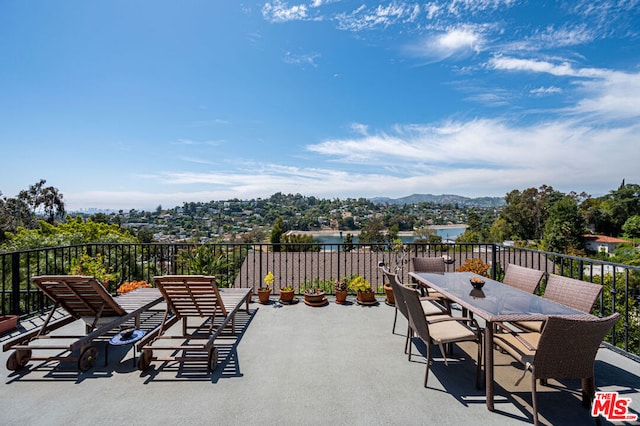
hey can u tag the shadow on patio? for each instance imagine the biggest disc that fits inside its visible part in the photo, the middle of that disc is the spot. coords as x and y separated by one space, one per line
301 365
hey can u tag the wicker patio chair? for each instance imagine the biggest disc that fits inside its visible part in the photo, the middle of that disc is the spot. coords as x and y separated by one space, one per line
440 330
434 265
566 349
430 265
525 279
430 305
570 292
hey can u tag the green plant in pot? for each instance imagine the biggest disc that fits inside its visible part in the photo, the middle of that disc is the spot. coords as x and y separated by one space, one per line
341 289
314 296
364 293
265 291
287 293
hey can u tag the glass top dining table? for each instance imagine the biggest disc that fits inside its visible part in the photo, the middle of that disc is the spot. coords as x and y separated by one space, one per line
494 302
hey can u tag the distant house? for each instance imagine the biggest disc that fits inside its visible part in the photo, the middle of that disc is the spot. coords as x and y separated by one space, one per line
601 243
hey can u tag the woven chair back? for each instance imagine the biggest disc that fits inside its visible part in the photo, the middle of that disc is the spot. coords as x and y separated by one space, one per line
567 347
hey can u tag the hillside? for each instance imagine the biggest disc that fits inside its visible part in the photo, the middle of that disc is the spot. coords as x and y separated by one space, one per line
443 199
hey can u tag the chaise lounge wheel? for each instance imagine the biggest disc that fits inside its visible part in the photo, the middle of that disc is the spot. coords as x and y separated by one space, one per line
145 359
87 358
213 359
18 359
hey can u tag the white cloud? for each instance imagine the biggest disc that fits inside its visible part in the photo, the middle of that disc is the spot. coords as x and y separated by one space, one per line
196 160
279 11
616 96
564 69
475 6
364 18
542 91
360 128
489 154
610 95
454 41
475 157
302 60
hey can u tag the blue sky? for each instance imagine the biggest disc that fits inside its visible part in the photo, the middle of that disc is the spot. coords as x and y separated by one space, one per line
123 104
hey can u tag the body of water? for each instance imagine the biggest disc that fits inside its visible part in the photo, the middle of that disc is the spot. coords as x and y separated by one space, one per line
446 234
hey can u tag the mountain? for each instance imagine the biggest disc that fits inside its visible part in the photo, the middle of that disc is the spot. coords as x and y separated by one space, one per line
443 199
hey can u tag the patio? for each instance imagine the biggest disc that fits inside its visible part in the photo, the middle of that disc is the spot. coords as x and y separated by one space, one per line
300 365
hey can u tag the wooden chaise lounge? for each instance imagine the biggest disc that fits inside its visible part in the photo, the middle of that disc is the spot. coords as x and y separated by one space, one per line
83 298
198 298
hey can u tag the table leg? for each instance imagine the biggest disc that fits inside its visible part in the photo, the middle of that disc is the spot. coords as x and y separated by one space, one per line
488 368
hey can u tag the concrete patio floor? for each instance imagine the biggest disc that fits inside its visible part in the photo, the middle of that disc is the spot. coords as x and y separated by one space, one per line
305 366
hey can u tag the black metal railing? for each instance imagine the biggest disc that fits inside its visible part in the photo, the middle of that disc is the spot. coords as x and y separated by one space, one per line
312 265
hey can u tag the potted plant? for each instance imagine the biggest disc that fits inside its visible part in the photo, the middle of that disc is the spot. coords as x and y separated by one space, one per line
8 323
314 297
388 291
341 289
475 265
132 285
265 292
287 294
365 294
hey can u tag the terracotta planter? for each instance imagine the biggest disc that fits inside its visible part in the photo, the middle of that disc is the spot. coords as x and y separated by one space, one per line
286 296
263 296
391 300
315 299
8 323
366 297
341 296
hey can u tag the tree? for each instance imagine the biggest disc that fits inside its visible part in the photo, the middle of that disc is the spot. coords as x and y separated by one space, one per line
145 235
276 233
632 226
622 204
427 234
564 227
298 242
392 235
348 242
48 198
372 231
14 213
526 212
73 231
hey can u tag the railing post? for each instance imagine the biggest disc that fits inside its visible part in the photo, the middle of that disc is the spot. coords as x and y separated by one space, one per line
493 261
15 283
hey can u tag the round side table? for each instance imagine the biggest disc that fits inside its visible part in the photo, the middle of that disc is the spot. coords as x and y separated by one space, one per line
120 340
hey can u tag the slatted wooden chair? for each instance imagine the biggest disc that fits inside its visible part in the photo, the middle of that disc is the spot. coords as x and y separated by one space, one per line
566 349
83 298
196 298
